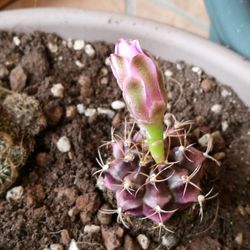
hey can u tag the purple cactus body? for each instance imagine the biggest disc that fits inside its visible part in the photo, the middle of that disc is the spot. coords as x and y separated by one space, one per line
150 190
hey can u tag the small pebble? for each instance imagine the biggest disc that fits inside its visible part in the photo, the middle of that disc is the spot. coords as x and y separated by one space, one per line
63 144
57 90
107 61
100 183
143 241
168 73
15 194
104 71
180 65
85 217
225 93
197 70
70 111
103 218
216 108
218 138
239 238
79 64
103 111
112 237
53 48
91 229
73 245
224 126
104 80
65 237
54 113
169 106
168 241
56 247
207 85
73 212
78 45
203 141
80 108
89 50
16 40
117 105
89 112
17 79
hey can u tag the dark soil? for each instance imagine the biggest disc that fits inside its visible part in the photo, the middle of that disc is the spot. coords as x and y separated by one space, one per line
60 194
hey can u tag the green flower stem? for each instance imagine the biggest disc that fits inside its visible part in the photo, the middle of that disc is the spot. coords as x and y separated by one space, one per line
155 141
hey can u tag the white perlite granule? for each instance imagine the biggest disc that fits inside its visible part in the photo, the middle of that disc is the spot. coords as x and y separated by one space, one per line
15 193
168 73
117 105
78 45
80 108
63 144
89 112
79 64
57 90
89 50
16 40
224 126
110 113
143 241
73 245
216 108
53 48
197 70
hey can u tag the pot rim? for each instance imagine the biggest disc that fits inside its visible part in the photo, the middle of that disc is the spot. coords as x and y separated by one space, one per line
162 40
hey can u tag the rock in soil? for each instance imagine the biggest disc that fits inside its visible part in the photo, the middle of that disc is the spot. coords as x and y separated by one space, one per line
65 237
112 237
18 79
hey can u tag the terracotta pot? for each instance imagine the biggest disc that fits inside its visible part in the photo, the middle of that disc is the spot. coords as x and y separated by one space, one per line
162 40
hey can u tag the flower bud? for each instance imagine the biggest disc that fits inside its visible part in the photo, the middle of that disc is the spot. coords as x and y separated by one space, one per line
140 80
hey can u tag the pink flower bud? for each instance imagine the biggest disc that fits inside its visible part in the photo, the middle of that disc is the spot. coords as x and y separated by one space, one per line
140 80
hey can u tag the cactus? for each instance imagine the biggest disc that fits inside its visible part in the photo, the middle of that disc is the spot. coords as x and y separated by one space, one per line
153 172
20 120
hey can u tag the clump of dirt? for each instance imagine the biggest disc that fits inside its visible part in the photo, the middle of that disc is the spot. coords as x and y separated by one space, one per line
61 201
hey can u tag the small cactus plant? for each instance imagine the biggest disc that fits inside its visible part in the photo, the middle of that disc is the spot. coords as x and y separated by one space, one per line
20 120
153 172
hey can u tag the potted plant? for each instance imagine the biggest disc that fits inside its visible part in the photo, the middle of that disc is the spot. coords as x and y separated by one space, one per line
101 176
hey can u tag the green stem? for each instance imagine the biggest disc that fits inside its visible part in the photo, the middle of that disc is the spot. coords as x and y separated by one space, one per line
155 141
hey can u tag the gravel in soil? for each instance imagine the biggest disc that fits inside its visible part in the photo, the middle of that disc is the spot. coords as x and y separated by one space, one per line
60 203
